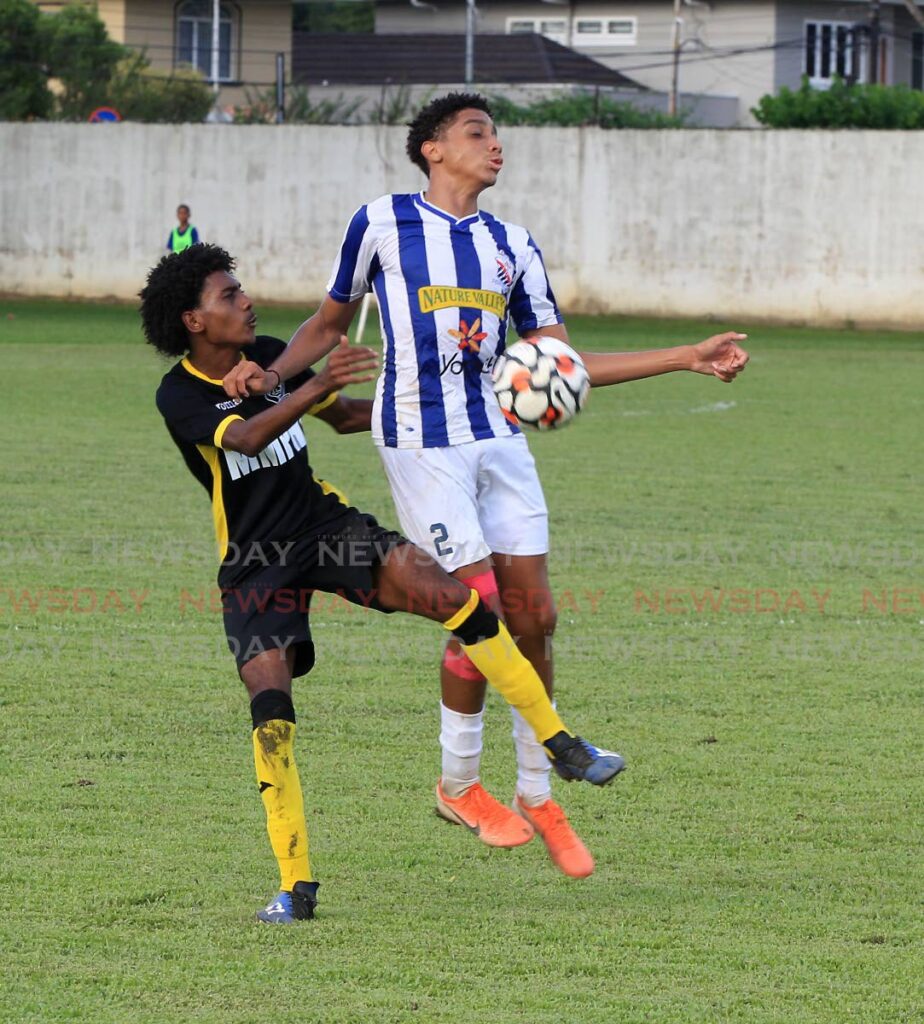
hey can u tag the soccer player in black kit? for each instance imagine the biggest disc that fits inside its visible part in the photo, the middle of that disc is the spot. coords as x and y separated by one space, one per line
281 537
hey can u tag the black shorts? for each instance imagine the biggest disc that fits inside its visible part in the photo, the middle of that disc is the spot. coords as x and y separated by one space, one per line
268 609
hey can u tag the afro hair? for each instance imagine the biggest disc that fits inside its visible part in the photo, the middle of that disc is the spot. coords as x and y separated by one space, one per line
173 288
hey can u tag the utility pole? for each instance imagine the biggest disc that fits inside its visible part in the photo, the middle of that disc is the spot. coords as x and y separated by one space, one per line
469 41
855 35
280 88
874 42
675 74
216 42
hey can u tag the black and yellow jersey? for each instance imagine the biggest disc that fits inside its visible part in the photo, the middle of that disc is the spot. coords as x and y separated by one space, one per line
256 500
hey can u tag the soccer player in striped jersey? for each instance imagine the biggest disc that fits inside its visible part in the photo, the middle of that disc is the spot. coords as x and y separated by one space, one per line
449 278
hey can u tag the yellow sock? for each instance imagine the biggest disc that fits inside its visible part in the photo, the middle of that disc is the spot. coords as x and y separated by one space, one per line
499 660
277 776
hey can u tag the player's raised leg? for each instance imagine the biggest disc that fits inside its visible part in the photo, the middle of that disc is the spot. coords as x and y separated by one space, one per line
268 678
420 586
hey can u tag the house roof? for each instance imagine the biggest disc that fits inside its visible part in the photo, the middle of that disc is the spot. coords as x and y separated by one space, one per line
431 58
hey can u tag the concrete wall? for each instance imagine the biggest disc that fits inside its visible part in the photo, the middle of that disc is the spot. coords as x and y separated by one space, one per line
814 227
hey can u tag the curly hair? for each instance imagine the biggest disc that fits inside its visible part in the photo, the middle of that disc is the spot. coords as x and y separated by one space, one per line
174 286
436 116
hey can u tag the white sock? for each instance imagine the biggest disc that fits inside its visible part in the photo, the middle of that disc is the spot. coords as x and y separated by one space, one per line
533 765
460 738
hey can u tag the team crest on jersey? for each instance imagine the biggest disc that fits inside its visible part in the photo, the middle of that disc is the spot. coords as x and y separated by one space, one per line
276 395
469 338
505 270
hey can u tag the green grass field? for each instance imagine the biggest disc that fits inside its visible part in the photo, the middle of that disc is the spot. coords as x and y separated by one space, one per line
739 574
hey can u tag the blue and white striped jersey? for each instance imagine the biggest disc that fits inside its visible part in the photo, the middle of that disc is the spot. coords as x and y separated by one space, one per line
445 289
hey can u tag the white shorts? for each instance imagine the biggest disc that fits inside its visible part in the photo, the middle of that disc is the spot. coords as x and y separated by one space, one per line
463 502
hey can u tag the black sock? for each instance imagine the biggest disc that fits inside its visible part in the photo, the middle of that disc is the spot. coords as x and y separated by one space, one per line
271 705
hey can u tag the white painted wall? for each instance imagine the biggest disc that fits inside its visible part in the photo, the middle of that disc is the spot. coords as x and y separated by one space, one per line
818 227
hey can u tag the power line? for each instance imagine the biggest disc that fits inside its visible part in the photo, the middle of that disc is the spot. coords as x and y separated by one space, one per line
713 54
737 52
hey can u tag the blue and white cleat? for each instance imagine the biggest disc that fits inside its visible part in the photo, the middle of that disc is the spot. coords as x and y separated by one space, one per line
289 907
576 759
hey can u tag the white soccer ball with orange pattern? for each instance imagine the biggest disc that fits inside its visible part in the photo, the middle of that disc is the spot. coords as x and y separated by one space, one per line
541 384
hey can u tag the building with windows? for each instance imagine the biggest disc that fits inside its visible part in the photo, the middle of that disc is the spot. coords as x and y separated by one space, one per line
741 49
179 35
731 52
382 77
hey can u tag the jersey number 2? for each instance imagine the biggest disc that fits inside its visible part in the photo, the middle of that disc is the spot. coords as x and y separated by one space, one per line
440 536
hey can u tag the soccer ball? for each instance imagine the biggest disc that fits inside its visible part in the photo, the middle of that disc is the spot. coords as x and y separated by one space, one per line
540 384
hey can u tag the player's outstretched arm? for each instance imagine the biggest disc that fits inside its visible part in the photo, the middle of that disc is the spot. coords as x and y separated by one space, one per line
348 364
313 339
719 356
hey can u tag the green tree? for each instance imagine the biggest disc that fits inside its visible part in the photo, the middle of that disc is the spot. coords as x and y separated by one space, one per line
24 90
73 48
82 57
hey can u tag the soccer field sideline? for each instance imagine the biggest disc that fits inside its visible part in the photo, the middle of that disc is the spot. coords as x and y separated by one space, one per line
738 570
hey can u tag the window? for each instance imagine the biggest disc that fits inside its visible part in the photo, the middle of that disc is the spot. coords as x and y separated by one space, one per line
831 49
621 26
587 31
605 32
194 38
552 28
917 60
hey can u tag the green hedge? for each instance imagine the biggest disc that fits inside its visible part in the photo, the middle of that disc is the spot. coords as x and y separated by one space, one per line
843 106
580 109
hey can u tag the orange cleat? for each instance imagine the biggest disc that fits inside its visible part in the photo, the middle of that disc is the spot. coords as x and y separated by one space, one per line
568 853
484 816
